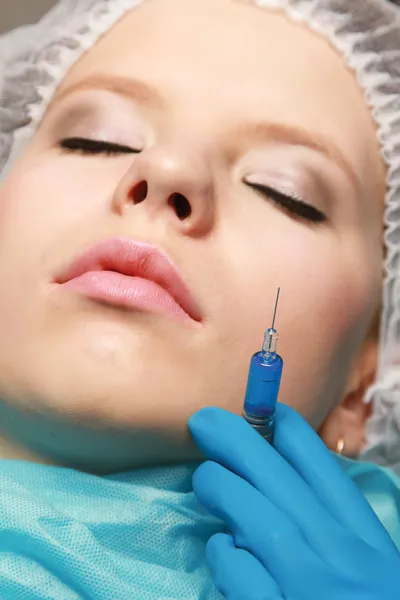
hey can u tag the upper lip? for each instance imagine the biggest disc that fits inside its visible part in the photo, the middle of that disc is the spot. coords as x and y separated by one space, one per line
135 259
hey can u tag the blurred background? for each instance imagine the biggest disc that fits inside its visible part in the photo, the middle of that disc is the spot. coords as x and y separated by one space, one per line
19 12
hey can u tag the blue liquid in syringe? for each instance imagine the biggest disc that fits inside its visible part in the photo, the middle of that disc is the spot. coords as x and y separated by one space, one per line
263 386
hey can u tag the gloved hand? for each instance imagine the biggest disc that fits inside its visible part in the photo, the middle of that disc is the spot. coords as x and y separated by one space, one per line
301 530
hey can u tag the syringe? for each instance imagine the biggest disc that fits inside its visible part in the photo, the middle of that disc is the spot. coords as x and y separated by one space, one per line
263 384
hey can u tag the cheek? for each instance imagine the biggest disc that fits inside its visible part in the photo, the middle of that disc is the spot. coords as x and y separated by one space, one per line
327 282
330 287
44 197
328 295
41 202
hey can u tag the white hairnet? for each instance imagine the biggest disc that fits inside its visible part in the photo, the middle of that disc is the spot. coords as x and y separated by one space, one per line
34 60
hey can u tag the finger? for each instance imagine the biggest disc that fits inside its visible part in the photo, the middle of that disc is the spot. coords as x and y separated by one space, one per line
304 450
257 525
237 574
300 467
227 439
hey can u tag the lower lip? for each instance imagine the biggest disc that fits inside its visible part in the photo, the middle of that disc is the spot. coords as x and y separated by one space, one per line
120 290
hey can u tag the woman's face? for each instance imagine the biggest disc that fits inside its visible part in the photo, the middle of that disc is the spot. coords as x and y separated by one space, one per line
242 148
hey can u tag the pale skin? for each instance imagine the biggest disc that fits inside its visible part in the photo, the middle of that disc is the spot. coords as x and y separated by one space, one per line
102 389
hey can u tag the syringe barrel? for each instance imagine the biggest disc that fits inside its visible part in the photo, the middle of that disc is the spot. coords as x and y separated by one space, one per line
263 386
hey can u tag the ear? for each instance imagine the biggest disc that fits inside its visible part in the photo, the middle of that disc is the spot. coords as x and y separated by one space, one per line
343 430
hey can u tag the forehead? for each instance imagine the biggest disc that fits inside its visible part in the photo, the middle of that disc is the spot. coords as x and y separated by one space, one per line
218 61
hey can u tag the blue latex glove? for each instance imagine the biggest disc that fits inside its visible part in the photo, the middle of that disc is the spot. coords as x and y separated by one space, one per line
301 530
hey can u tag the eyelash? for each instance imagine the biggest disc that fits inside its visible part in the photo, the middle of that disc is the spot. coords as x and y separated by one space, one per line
291 205
90 147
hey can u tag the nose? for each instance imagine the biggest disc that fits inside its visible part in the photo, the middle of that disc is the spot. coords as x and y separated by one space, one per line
174 182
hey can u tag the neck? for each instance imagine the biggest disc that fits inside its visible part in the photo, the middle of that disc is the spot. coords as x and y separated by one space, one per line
93 446
9 450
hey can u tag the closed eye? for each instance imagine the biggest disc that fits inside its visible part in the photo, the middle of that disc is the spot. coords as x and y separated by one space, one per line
87 146
293 206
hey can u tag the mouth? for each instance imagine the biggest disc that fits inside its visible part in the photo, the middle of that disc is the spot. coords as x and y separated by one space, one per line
132 275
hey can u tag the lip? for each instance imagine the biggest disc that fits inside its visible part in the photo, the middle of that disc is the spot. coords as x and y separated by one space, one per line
136 275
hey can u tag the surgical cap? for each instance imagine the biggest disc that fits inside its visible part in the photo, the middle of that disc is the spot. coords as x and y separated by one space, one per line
35 59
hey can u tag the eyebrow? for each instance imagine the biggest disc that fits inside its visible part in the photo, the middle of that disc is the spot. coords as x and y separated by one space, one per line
123 86
297 136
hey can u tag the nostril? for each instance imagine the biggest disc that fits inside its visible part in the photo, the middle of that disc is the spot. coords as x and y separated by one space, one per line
181 206
139 192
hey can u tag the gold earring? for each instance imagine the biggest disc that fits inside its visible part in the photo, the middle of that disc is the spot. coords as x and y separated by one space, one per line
340 446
